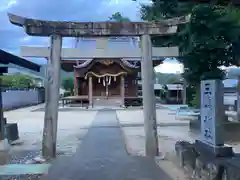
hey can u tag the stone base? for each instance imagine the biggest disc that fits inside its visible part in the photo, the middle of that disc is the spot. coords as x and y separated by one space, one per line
217 151
4 149
200 161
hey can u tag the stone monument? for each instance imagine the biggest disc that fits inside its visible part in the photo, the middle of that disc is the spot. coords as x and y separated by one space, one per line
212 117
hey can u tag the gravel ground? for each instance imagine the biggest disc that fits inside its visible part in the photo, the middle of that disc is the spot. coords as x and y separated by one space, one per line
21 157
164 116
72 127
167 137
22 177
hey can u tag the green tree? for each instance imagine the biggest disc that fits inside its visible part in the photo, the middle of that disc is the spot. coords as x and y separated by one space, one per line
118 17
18 81
208 41
212 31
166 78
173 80
68 84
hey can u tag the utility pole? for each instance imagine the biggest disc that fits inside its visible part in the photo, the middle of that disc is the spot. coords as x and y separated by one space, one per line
52 98
149 104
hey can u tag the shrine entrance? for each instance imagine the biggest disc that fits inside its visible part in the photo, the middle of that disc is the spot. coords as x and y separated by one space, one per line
107 86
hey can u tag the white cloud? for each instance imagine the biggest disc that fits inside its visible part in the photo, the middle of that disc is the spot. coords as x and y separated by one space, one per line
170 67
13 37
26 39
7 4
120 2
127 8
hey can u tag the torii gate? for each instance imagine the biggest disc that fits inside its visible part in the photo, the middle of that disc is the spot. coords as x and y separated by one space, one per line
56 30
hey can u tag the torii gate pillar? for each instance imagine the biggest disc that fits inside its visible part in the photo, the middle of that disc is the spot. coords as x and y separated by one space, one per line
149 105
52 97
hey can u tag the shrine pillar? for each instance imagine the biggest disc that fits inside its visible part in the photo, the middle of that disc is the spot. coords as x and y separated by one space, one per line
90 91
75 83
122 90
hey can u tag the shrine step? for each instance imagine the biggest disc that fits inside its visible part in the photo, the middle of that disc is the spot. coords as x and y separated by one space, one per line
107 102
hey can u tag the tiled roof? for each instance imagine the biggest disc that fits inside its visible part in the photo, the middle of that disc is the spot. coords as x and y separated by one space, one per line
7 58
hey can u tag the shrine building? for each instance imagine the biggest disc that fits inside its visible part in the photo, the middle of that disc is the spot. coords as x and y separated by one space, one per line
107 78
104 68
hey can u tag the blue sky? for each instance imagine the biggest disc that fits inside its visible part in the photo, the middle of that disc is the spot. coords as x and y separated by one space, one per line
13 37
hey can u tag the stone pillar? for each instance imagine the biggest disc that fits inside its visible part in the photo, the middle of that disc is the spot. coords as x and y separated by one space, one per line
52 98
122 91
149 105
90 91
212 114
76 86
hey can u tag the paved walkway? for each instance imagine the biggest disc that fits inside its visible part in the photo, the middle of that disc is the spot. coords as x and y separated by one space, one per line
102 156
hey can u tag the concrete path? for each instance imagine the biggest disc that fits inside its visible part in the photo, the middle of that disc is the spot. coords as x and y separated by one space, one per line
102 156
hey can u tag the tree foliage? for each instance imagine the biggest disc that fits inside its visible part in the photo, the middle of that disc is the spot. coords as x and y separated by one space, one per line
210 40
166 78
207 42
18 81
212 31
68 84
119 18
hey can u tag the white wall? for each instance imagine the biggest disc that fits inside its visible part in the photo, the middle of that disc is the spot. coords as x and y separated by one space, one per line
18 98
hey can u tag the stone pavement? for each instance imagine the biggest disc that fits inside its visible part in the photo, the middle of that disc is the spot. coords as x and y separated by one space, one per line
103 156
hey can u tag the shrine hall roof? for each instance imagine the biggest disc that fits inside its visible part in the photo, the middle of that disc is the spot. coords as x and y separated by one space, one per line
124 62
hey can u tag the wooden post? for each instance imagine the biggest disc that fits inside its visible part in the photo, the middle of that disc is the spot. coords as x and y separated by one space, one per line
4 146
122 90
2 133
149 105
52 98
76 86
90 91
184 92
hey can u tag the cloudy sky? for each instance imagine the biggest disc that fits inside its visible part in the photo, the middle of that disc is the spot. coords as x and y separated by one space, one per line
12 37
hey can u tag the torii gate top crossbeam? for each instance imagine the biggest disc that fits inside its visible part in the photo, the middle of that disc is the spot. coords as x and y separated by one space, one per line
35 27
